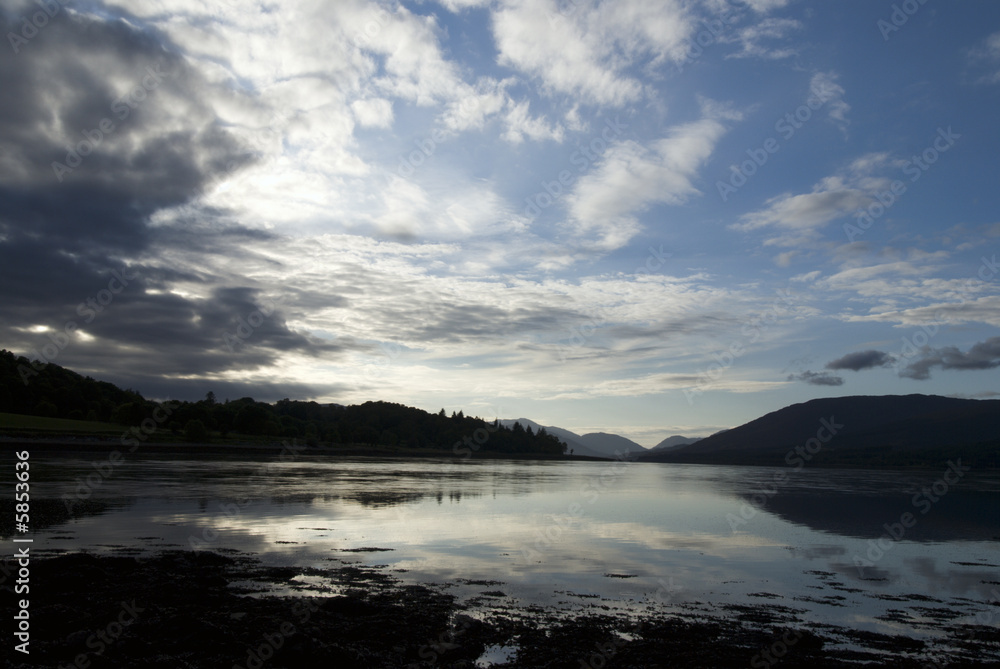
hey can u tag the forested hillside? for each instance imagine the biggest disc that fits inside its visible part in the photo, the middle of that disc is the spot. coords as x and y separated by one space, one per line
52 391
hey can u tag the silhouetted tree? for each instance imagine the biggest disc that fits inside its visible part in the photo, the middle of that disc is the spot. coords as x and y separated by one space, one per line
195 431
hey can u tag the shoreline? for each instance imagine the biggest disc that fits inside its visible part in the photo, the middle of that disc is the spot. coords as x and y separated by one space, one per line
54 445
62 444
206 608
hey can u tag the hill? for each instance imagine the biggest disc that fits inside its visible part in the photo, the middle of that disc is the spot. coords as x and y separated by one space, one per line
610 444
891 430
674 442
572 440
54 393
592 444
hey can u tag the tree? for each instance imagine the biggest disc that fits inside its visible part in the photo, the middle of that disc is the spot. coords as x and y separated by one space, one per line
366 435
252 419
195 431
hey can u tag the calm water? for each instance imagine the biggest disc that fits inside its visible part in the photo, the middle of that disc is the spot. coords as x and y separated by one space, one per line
572 534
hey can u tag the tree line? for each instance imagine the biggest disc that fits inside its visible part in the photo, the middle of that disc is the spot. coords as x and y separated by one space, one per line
49 390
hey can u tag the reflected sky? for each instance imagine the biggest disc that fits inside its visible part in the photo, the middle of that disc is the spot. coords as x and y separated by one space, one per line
635 535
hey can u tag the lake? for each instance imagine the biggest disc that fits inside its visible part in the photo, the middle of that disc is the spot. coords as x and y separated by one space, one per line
889 552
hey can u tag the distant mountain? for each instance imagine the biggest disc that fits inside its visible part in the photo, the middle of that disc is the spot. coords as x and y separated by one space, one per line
610 444
571 439
594 444
674 442
891 430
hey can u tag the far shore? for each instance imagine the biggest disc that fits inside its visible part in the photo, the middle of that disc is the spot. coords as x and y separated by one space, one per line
92 443
289 448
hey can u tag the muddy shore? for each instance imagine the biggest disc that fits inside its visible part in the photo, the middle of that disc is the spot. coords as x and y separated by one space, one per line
187 609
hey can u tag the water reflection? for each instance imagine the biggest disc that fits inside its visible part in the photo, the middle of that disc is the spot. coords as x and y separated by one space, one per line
563 533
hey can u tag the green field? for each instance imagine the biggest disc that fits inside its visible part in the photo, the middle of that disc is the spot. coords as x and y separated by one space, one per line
13 421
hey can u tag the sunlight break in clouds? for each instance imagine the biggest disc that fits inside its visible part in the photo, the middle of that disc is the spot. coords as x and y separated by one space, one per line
365 166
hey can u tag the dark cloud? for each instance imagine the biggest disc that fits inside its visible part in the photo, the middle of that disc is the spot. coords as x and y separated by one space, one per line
817 378
984 355
159 343
102 126
162 389
862 360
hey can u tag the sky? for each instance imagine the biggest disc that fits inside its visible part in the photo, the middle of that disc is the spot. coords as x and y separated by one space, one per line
645 218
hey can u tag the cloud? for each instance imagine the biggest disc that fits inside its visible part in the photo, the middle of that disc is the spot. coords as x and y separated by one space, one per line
984 309
373 113
752 39
521 124
477 103
630 177
987 54
829 200
862 360
824 86
817 378
585 48
764 6
983 355
459 5
800 217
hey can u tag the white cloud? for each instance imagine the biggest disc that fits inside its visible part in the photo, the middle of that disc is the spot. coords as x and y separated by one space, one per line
764 6
655 384
984 309
584 51
630 177
824 86
475 105
490 98
373 113
987 54
830 199
521 124
753 39
458 5
800 216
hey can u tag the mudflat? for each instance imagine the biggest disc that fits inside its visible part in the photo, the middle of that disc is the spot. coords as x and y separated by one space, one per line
226 609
